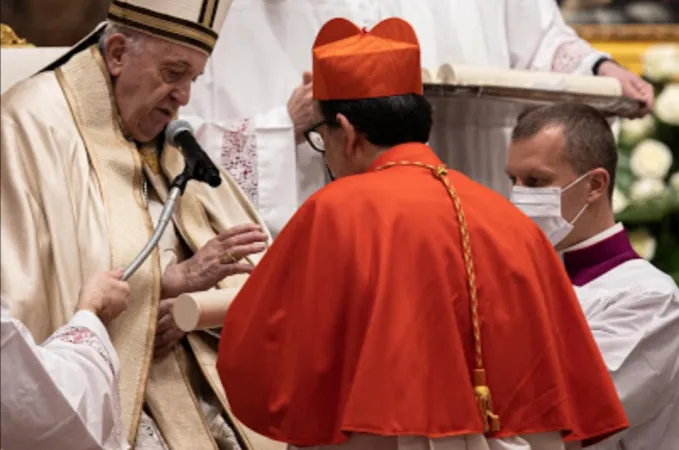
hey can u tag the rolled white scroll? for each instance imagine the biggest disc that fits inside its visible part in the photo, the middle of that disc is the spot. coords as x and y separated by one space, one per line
202 310
462 75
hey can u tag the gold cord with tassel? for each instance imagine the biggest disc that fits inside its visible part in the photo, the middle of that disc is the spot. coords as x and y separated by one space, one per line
484 400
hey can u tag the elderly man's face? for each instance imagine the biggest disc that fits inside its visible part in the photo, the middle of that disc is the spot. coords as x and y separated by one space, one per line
151 82
538 162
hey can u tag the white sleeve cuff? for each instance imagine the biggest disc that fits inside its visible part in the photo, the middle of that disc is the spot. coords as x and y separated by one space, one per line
89 320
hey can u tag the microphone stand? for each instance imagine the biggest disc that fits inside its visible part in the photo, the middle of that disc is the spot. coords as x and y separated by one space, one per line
177 188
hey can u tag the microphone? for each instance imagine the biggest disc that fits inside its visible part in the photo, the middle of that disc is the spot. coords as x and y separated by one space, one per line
197 166
179 133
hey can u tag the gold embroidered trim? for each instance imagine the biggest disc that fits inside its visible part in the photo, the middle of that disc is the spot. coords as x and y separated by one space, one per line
70 94
150 158
8 38
207 14
228 416
166 27
155 257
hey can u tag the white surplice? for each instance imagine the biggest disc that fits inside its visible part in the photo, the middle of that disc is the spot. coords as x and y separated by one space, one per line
238 106
62 395
633 312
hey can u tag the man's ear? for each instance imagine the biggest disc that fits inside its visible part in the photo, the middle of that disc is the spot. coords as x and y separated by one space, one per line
599 180
114 49
351 135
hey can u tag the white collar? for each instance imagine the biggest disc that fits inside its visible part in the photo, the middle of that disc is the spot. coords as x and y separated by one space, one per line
617 228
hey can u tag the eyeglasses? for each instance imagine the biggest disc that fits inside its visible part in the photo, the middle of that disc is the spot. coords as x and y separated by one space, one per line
314 138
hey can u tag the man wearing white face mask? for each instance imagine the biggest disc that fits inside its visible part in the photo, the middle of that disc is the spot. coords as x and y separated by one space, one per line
562 163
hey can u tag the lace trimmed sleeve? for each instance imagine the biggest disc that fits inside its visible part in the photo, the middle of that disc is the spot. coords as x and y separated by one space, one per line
239 156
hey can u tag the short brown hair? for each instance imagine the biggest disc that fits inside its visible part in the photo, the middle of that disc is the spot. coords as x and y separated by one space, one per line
589 141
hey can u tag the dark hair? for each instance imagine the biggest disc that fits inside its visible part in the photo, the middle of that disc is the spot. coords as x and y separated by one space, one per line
589 141
385 121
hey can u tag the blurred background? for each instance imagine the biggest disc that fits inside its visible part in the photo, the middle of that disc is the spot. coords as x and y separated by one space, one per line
54 23
619 11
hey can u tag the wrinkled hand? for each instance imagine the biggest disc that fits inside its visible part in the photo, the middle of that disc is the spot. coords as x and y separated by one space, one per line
105 295
207 266
167 332
300 107
633 86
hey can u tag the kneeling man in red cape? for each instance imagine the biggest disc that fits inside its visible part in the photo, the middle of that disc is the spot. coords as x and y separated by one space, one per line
404 305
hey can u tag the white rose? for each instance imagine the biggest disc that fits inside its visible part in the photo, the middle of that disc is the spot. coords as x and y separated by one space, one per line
634 130
615 128
661 62
645 189
674 181
619 201
643 243
651 159
667 104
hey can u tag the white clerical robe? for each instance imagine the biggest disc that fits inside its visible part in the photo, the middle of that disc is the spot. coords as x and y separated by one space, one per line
239 105
633 311
63 394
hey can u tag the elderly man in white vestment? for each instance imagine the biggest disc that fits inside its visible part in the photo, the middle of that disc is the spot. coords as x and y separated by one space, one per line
63 394
562 162
253 103
85 173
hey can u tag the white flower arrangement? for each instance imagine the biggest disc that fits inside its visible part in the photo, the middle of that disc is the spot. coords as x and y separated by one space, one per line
646 198
619 201
615 128
634 130
643 243
651 159
646 189
674 181
667 104
661 62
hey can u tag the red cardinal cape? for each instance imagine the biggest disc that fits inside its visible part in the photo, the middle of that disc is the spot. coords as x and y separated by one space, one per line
358 318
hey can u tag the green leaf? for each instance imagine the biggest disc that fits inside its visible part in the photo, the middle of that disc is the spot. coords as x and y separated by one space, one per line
667 251
650 210
624 176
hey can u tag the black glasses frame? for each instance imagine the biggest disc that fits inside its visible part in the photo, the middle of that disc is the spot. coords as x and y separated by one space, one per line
313 128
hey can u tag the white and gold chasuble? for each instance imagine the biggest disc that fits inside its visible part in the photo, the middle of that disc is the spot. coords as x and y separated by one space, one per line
72 206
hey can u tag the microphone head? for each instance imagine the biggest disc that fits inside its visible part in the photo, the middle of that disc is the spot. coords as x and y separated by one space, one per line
174 128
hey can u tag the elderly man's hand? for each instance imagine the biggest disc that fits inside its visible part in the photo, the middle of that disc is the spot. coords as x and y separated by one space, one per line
300 107
167 332
218 259
633 86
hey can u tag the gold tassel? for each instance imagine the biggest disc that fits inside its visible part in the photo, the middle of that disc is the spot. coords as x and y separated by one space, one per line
484 401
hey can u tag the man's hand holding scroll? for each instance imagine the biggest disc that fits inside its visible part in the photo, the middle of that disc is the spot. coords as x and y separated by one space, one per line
221 257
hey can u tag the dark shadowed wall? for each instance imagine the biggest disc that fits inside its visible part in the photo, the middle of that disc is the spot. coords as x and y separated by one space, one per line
52 22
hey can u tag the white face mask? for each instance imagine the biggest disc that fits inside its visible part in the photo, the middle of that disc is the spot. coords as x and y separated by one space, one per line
543 205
